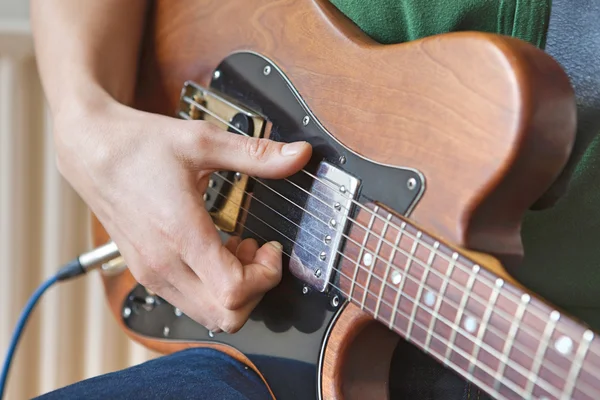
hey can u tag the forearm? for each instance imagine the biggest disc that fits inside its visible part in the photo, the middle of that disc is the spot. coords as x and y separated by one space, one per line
87 50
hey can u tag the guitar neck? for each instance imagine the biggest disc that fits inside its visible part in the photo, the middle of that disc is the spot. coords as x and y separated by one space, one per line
509 343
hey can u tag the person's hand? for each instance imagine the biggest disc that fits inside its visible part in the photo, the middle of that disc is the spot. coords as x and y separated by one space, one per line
144 175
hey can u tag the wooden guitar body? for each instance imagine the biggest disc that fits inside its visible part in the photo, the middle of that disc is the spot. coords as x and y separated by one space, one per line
458 133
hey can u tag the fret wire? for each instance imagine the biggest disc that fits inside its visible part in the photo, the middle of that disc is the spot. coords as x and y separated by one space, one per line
413 314
582 349
377 250
387 269
411 258
438 303
395 307
484 322
360 254
541 351
405 278
461 307
508 344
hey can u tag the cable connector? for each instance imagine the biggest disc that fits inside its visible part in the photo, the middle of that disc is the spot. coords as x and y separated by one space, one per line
88 261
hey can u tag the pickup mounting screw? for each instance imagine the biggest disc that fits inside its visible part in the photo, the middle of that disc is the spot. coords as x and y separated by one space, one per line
217 74
211 334
305 290
166 331
267 70
327 239
333 223
305 120
237 176
178 312
342 159
335 301
205 197
343 189
318 273
322 256
337 206
126 312
411 183
211 183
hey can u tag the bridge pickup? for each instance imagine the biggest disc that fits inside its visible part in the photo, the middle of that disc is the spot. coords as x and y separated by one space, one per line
322 226
227 190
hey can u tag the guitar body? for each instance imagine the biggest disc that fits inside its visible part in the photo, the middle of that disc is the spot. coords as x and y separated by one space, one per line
459 133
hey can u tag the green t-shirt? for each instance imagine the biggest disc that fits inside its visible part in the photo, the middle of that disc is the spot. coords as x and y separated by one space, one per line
562 243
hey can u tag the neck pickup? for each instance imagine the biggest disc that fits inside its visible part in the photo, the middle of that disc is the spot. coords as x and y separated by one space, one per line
322 226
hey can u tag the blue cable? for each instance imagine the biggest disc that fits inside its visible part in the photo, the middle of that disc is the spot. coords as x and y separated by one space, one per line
74 268
19 329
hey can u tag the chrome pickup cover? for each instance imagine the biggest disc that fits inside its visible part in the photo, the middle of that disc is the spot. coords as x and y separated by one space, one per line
322 226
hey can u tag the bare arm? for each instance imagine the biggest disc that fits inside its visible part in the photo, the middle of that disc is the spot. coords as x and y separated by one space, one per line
143 175
84 48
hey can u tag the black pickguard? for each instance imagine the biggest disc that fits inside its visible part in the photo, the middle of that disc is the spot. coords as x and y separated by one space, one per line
285 334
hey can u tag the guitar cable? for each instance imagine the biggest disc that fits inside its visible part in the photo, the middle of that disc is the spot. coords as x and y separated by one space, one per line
80 265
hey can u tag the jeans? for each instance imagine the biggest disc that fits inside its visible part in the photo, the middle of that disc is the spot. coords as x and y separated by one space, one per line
189 374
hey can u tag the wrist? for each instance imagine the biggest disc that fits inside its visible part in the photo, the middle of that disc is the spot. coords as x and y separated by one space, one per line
79 102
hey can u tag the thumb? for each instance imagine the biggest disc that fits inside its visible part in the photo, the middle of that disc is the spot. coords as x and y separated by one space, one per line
257 157
265 270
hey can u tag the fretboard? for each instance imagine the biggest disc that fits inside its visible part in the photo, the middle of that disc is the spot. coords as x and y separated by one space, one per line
506 341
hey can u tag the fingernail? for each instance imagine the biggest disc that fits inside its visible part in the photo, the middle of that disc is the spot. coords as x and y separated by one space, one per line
292 149
277 245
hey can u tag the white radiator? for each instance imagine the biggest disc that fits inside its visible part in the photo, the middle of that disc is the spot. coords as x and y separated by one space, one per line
43 223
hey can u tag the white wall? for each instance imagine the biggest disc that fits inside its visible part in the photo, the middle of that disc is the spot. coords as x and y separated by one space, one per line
14 9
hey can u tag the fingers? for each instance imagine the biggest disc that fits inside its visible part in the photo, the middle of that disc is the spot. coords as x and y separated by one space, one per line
196 301
215 149
238 278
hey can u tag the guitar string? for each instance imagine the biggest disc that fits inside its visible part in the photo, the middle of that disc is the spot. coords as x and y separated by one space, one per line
484 345
547 386
515 297
483 302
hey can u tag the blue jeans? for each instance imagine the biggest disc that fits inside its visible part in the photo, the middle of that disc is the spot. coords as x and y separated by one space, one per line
189 374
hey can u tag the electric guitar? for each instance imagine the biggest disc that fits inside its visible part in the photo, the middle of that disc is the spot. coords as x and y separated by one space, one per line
425 157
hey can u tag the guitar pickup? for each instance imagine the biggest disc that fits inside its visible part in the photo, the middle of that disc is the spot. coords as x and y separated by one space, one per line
322 226
227 190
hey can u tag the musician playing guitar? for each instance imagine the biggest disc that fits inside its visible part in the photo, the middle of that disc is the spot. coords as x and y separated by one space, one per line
139 173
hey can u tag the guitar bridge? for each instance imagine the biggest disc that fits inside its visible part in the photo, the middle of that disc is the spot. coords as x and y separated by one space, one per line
227 190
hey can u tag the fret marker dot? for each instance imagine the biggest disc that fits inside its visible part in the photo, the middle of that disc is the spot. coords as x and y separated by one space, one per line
368 259
563 345
429 299
396 277
470 324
